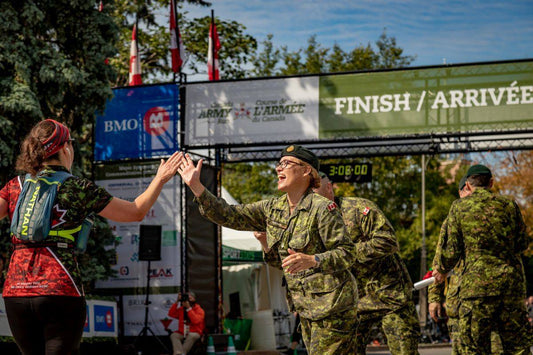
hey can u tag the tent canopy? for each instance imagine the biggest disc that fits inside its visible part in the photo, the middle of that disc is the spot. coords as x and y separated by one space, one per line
239 245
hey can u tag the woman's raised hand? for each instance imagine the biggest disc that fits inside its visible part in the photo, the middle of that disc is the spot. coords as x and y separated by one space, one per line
167 169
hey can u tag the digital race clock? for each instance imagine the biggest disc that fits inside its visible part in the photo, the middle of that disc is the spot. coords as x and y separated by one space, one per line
348 172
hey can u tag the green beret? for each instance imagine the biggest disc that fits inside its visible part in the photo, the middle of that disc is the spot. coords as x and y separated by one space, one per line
303 154
478 169
462 183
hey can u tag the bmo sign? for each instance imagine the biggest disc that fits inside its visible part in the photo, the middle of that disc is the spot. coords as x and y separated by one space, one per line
139 122
156 121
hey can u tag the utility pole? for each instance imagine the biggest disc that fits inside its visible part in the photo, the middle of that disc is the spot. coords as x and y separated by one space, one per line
423 254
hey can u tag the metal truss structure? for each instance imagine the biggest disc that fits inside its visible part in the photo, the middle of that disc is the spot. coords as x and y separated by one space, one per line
391 146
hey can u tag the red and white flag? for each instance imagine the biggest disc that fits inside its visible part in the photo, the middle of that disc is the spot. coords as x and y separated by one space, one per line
212 70
135 63
176 45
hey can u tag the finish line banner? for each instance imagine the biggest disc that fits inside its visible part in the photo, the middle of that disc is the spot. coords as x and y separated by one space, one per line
465 98
252 111
139 122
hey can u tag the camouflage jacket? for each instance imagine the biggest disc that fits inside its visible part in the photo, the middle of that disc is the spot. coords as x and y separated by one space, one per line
315 227
382 277
488 232
449 292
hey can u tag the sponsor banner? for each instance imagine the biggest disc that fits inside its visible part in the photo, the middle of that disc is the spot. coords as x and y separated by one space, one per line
88 327
127 181
139 122
134 314
256 111
234 254
488 97
101 320
104 318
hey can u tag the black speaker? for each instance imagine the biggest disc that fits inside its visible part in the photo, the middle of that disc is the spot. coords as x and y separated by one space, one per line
150 242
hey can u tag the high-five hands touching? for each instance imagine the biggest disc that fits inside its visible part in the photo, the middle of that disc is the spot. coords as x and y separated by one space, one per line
167 169
190 174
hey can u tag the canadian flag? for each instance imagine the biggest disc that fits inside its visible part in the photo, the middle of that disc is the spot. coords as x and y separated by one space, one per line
212 70
176 45
135 63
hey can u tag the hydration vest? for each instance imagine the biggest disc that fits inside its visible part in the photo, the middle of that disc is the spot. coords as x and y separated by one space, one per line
32 218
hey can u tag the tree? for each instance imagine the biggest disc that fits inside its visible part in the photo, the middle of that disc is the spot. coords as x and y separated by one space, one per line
249 182
153 40
236 50
315 59
53 59
264 63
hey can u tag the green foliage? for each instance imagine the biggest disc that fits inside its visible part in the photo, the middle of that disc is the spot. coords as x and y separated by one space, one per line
153 39
315 59
236 49
100 255
250 182
264 63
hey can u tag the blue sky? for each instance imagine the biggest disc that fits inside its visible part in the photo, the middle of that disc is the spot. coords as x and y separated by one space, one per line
435 31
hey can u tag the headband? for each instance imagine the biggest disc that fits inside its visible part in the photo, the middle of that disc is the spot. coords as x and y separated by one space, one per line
53 143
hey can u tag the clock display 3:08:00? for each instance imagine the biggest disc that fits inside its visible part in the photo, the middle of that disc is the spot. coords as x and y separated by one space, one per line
348 169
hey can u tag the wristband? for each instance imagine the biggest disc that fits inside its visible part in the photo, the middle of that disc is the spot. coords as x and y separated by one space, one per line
317 259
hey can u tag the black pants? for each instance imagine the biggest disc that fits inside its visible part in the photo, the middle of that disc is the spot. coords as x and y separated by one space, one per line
51 325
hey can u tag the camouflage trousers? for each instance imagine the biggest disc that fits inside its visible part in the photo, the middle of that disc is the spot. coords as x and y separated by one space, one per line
478 317
401 328
331 335
453 327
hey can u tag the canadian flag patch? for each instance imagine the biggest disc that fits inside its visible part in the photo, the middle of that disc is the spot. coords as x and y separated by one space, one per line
366 210
332 206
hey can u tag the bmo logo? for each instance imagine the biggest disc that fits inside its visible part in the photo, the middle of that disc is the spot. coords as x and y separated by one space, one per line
120 126
104 318
156 121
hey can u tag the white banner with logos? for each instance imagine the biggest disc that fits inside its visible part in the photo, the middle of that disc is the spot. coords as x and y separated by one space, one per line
158 320
257 111
100 321
126 183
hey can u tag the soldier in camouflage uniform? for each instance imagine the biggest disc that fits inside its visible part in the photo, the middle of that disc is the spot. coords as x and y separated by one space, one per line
385 288
305 237
437 294
487 233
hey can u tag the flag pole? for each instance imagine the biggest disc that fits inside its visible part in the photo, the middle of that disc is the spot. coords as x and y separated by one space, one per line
213 42
175 10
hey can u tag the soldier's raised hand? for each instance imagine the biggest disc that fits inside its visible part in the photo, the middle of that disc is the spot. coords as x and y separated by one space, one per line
190 173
